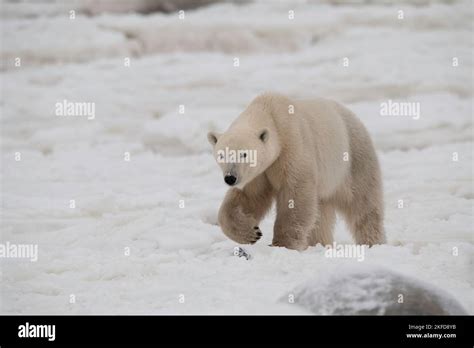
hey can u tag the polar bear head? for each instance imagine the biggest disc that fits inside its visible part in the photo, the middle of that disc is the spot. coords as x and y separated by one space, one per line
243 153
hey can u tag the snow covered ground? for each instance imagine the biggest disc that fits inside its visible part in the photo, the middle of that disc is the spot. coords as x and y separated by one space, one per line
129 245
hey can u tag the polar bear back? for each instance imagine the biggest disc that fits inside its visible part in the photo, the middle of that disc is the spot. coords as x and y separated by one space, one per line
325 134
318 133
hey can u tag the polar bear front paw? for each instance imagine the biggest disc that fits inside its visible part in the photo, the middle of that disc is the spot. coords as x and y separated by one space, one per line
258 234
247 236
289 243
244 236
239 227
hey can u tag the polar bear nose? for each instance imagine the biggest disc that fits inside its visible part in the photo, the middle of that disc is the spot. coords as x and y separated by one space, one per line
230 179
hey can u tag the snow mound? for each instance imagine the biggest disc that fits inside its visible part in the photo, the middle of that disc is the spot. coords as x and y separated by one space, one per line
371 290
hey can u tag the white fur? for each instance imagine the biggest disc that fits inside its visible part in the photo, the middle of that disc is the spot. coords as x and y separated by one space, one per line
312 162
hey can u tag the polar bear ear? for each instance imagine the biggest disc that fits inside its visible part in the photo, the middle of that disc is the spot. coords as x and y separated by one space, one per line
213 137
263 135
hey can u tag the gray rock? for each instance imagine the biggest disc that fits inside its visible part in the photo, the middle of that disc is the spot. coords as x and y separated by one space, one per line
372 291
143 6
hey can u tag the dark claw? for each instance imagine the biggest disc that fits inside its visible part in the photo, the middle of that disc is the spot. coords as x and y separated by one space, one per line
255 228
259 234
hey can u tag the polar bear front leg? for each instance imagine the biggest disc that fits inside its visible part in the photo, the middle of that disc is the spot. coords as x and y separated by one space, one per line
242 210
297 211
322 231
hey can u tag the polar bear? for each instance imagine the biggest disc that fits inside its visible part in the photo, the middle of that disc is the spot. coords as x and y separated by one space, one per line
313 157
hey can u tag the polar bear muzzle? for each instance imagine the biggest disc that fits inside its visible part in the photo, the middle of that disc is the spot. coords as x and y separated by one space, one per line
230 179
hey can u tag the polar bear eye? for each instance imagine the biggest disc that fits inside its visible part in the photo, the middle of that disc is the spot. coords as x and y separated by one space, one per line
244 155
220 156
